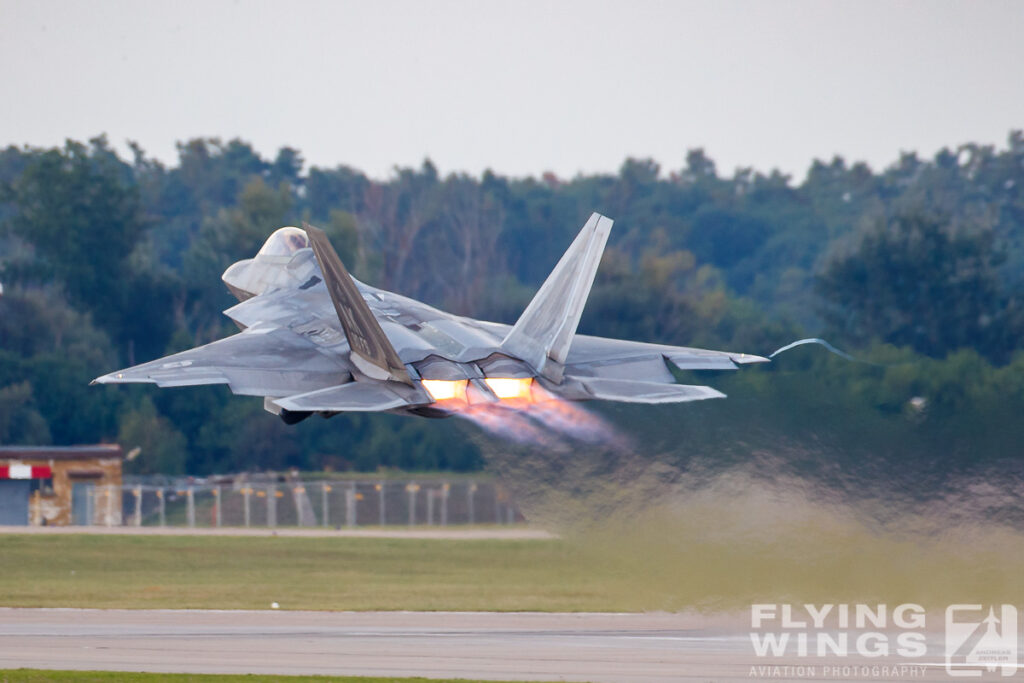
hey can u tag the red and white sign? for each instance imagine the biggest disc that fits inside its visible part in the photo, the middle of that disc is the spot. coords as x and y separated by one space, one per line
18 471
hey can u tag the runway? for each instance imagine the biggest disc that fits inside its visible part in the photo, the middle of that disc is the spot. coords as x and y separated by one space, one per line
612 648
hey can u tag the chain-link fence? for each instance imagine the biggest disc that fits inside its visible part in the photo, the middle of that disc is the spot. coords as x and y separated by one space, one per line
297 503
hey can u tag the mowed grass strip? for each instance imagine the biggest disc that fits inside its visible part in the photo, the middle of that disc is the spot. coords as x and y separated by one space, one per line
179 572
44 676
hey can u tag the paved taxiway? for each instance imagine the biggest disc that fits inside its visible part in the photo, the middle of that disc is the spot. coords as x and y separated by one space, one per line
523 646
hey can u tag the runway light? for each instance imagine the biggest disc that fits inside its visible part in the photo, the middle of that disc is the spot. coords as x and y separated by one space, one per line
445 390
506 387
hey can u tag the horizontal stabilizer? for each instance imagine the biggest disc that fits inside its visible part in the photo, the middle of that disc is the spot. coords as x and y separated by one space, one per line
590 355
546 328
371 351
355 397
630 391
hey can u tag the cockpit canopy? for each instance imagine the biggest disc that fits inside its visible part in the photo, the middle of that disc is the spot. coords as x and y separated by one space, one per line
284 261
284 242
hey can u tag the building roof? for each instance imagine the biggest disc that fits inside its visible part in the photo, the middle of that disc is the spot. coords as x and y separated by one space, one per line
103 450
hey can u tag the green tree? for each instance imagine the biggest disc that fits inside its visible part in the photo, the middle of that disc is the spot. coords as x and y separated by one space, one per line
20 420
163 448
917 282
82 216
230 235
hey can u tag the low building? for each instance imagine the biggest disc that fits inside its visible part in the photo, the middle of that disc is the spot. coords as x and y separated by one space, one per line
60 485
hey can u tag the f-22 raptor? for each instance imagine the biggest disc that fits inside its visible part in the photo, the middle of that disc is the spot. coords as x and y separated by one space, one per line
316 340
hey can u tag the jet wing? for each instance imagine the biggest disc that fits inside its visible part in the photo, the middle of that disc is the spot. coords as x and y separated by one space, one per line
261 361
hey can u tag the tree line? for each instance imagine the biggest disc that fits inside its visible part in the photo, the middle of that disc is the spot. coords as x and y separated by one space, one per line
109 261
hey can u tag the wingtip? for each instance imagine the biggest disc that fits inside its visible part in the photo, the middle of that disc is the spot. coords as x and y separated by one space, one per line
111 378
748 358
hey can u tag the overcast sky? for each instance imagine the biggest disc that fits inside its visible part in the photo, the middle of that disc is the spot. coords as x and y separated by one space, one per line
521 87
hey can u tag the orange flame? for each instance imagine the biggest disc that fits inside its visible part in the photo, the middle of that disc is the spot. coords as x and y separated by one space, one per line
525 411
446 390
505 388
511 389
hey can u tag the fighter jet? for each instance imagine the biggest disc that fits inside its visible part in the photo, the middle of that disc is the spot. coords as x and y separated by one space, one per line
316 340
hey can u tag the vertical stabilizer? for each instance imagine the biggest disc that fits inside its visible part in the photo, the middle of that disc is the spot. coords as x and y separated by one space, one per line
371 351
545 330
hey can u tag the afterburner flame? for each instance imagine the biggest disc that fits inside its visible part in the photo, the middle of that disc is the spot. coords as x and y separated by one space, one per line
529 414
524 412
445 390
510 387
515 390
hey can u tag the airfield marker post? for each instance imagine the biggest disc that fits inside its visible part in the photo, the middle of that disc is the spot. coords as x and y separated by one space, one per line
190 507
110 505
350 505
162 505
272 506
245 504
470 496
217 506
431 495
412 488
380 503
138 505
90 505
303 507
445 488
498 497
324 490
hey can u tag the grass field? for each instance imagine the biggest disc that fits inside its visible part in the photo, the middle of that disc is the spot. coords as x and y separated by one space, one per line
44 676
718 552
306 573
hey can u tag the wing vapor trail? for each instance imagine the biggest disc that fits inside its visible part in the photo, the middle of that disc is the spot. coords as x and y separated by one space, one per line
827 345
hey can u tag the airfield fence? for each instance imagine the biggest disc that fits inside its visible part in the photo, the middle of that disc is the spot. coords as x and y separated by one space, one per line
297 503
